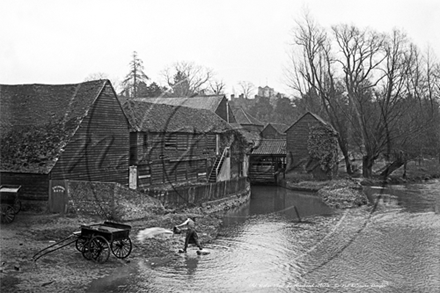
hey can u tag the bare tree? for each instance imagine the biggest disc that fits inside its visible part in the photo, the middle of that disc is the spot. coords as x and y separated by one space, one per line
187 78
361 54
313 76
247 89
217 87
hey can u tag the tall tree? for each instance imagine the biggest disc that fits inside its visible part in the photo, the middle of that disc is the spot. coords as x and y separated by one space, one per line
134 78
360 55
313 76
283 111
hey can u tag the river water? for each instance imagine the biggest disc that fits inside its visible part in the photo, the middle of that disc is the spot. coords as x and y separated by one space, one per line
288 241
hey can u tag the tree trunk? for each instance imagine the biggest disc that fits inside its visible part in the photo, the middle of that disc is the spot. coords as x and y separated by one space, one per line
367 166
396 164
344 150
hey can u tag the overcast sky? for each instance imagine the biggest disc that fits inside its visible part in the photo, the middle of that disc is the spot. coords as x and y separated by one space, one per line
59 41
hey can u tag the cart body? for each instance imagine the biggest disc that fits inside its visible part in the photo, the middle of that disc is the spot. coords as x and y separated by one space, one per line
95 242
10 202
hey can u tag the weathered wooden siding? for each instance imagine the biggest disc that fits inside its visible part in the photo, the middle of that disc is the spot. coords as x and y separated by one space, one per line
169 158
297 138
34 186
99 150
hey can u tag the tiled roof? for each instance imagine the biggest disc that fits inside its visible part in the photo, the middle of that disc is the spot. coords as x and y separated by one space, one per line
244 118
314 116
144 116
278 127
271 147
36 106
198 102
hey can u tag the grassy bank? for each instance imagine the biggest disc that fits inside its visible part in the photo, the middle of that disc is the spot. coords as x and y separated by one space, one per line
346 191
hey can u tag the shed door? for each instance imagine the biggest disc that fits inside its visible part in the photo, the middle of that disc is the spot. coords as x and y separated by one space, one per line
57 196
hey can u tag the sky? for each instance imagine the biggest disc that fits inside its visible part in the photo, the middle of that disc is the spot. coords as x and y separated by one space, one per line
59 42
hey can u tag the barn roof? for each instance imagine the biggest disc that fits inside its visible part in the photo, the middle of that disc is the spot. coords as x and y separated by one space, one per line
33 110
244 118
144 116
198 102
277 126
271 147
319 119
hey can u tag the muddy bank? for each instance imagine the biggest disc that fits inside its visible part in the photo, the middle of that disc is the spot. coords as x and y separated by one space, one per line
339 194
66 270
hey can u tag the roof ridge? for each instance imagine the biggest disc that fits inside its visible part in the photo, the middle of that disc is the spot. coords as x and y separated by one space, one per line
69 107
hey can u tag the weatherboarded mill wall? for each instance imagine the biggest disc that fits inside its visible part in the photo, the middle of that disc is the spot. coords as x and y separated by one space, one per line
99 149
163 158
297 136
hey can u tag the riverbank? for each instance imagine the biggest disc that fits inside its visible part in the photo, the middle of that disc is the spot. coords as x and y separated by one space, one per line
346 191
66 270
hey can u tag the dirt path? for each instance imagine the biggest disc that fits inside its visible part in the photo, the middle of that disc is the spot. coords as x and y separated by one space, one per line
66 270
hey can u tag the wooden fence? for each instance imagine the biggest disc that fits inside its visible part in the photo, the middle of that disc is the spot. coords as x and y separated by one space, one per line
198 194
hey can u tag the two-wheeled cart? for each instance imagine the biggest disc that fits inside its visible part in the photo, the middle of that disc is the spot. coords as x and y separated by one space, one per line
96 241
10 202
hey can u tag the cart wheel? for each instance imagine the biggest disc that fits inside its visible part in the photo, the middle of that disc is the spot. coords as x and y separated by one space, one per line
81 242
121 248
99 249
85 250
8 214
17 206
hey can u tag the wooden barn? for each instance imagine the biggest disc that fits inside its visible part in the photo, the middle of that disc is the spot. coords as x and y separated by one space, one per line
217 104
176 144
267 161
297 136
58 132
274 131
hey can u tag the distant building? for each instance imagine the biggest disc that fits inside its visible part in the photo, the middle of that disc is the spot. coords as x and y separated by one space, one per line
266 92
59 132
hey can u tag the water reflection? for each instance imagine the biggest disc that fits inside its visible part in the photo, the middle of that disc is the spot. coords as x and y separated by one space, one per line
291 205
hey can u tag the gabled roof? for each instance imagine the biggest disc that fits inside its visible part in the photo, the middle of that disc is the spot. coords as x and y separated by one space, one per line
150 117
41 110
277 126
244 118
319 119
198 102
271 147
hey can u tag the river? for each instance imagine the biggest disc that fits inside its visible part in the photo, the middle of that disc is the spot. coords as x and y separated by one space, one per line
288 241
